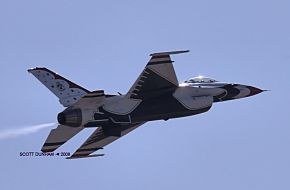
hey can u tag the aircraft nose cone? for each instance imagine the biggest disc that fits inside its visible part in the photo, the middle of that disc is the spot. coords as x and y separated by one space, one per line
254 91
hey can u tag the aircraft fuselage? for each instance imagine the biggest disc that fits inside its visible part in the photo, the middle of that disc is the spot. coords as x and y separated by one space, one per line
185 100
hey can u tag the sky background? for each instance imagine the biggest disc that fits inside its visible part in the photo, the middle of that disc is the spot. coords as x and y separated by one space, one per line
242 144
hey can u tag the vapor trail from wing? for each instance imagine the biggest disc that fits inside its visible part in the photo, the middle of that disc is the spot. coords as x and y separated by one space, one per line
16 132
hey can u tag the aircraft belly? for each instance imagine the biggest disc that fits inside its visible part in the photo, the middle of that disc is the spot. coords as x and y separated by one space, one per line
163 108
121 105
196 91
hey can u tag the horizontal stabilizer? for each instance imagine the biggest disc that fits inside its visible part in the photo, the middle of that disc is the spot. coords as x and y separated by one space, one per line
91 99
59 136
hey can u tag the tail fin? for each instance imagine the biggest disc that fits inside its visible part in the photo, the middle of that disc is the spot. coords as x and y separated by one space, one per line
67 91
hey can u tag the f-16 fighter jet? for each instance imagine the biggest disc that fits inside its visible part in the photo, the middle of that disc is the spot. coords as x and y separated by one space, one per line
156 95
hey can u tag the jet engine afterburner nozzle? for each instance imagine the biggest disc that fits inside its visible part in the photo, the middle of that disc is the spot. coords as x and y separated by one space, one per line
70 117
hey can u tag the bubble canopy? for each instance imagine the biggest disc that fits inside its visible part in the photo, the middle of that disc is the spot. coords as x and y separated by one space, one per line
200 79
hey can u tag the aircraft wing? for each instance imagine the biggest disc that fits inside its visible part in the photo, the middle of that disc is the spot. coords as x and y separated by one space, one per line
101 138
157 78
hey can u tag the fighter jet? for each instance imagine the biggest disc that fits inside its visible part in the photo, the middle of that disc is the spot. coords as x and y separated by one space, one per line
155 95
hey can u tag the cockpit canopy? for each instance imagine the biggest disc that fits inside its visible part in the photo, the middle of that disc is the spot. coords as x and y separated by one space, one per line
200 79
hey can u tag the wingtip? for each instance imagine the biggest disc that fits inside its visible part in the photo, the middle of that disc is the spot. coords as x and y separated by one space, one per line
87 156
169 52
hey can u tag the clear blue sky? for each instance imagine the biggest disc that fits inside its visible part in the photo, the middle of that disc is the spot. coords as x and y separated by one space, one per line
239 145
